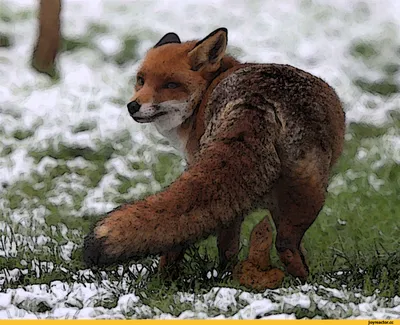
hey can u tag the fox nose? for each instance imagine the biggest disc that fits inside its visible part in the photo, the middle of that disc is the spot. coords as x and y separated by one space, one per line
133 107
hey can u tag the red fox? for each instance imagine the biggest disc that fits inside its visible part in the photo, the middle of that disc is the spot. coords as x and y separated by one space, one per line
254 135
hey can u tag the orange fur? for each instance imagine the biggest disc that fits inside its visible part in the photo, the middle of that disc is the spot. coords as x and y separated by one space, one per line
254 135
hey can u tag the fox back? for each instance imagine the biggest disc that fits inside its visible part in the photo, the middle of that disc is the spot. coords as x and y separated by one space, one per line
307 111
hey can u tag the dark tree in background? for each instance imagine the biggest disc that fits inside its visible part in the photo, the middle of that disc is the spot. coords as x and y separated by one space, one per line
48 41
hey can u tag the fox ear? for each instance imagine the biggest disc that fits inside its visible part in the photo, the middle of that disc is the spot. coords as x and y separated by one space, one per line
209 51
168 38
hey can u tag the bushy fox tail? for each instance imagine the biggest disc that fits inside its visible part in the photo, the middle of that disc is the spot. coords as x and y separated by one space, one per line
232 174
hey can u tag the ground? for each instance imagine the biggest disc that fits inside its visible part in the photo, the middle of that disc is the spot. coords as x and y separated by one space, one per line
69 152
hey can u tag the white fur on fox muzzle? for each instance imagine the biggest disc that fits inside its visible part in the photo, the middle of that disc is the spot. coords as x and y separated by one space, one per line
178 112
166 115
147 112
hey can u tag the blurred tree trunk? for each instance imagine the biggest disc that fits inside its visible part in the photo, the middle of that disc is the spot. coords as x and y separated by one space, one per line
48 41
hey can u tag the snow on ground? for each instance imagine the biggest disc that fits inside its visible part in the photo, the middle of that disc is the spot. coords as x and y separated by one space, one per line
69 301
316 36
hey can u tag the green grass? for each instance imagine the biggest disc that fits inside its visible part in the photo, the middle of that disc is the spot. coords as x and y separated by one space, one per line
353 244
359 225
356 232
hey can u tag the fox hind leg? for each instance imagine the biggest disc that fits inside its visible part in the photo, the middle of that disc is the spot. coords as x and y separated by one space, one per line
301 197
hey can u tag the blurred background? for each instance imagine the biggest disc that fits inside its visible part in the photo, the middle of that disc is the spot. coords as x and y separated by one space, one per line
70 151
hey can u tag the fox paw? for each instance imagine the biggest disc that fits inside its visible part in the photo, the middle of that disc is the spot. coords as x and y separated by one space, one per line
295 264
252 277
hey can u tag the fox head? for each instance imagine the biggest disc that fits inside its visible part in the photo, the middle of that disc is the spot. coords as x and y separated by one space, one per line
173 78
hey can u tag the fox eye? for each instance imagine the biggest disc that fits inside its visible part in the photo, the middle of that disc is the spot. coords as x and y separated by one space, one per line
139 81
171 85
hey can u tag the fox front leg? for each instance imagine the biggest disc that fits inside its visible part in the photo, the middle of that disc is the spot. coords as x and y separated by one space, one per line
228 242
